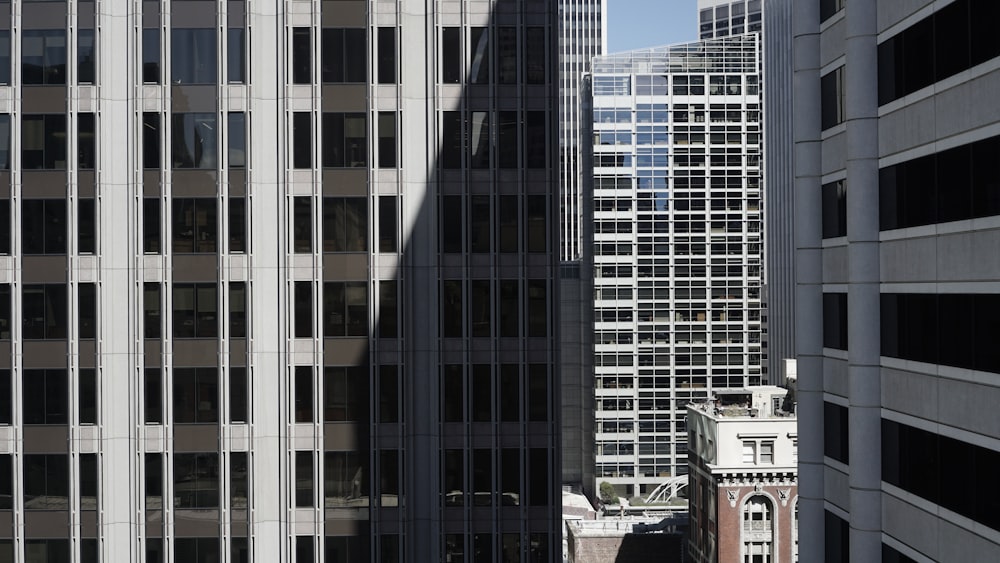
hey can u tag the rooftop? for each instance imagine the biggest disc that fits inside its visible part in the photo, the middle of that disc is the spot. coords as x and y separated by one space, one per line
761 402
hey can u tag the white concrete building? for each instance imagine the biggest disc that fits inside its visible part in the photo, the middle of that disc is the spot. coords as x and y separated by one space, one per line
677 246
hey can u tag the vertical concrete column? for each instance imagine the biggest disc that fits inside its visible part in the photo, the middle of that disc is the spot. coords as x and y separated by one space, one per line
419 279
267 337
119 304
864 431
809 275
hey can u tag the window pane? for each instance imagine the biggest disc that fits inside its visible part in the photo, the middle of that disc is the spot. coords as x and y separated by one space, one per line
237 140
302 139
153 400
195 141
86 226
236 55
151 55
386 55
85 56
451 53
304 385
237 395
151 225
386 139
480 55
387 223
301 55
193 56
150 140
43 56
237 224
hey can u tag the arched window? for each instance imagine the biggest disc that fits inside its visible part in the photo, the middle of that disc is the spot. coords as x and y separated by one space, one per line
758 530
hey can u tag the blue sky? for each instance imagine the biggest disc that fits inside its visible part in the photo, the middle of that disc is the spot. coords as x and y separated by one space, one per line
634 24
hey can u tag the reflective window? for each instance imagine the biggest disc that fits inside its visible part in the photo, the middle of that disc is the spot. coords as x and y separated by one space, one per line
150 140
196 485
386 68
345 224
43 226
196 395
151 225
46 486
46 397
86 156
85 56
193 56
195 225
195 141
43 56
44 312
301 55
345 55
236 55
43 142
345 142
345 309
195 310
151 55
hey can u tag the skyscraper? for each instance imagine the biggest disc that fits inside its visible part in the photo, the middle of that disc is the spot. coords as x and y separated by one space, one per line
722 18
286 275
895 127
582 33
677 246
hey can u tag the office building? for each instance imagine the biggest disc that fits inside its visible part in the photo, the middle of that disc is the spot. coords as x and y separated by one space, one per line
722 18
583 36
677 246
743 491
896 139
286 274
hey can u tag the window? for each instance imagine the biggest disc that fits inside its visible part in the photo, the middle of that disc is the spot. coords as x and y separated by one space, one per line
151 55
345 55
86 154
195 141
195 225
386 65
758 530
304 479
388 317
151 225
537 408
237 309
49 551
386 139
195 312
193 56
153 395
302 224
535 226
386 224
451 55
834 209
510 393
304 548
236 63
238 395
767 452
480 308
345 393
537 308
389 472
86 225
301 55
239 479
237 140
85 56
538 477
43 226
835 436
6 399
303 385
4 56
832 98
197 550
345 309
302 140
388 394
835 322
150 140
89 481
479 140
87 313
4 141
46 396
303 308
345 142
452 393
828 8
151 306
506 49
837 533
451 140
508 224
345 479
345 224
43 140
44 310
6 485
153 484
536 55
749 452
43 56
509 318
237 224
536 151
196 485
451 308
46 483
479 55
479 223
451 223
507 139
196 395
